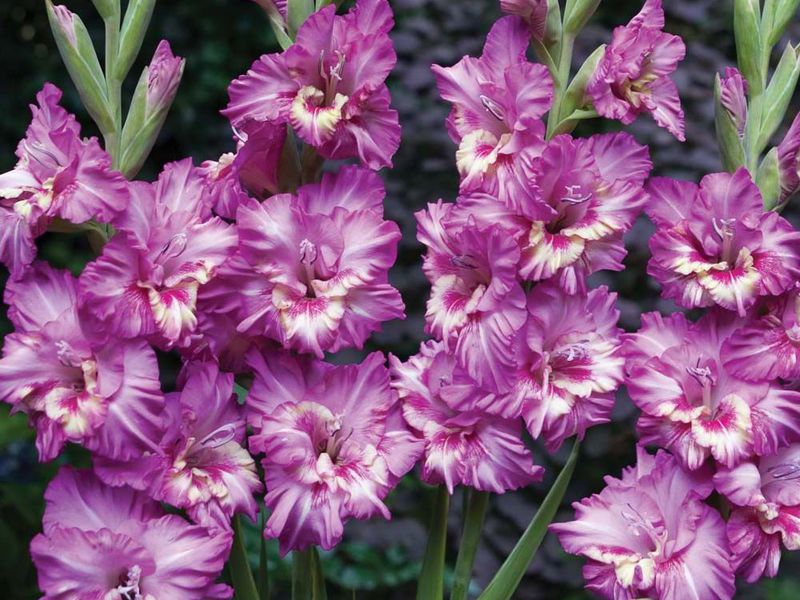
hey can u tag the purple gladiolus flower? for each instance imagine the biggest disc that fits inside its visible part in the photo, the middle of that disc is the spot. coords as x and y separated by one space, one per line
145 282
715 244
312 269
733 97
633 75
498 101
766 499
58 175
649 534
329 85
692 404
335 444
116 543
202 465
73 385
462 447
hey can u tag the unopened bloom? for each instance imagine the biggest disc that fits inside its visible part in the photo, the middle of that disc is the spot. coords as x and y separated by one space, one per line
146 280
633 75
73 385
533 12
163 77
595 189
649 534
789 162
202 466
733 97
692 404
715 244
334 441
462 447
567 365
312 269
329 85
250 171
476 303
766 510
118 544
498 101
58 174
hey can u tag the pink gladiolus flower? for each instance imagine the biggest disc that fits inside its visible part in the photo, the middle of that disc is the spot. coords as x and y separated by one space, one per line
595 189
117 544
251 171
767 347
469 447
498 101
692 404
633 75
649 534
145 283
766 499
202 466
313 268
74 387
533 12
568 365
329 85
716 245
733 97
334 442
58 175
476 303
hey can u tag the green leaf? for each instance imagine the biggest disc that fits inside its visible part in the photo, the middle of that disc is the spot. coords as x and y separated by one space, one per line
778 95
470 538
13 428
728 138
308 580
768 180
242 577
431 578
749 45
777 16
134 28
106 8
506 580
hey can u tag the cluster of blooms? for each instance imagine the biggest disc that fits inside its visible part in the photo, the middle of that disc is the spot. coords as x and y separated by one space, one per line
719 394
214 263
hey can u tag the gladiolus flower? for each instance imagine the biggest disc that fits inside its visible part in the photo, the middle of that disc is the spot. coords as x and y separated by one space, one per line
692 404
468 447
73 385
649 534
633 75
58 175
145 282
716 245
733 97
329 85
116 543
335 444
202 466
766 499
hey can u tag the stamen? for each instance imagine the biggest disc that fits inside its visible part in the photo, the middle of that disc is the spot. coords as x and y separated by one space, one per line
705 378
725 230
174 247
492 107
575 195
239 135
219 437
308 252
574 351
464 261
66 354
39 147
129 590
785 471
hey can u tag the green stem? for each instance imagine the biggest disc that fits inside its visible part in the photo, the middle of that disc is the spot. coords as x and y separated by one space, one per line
308 582
470 538
431 578
263 565
561 82
241 574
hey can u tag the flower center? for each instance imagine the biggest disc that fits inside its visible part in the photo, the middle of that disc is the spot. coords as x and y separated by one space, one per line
308 256
705 379
332 445
725 229
129 589
638 524
492 107
331 74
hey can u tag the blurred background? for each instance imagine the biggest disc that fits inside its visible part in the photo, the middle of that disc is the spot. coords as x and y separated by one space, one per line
220 39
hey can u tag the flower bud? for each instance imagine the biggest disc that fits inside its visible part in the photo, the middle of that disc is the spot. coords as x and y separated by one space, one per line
534 12
768 180
80 58
106 8
789 163
134 27
778 95
730 117
152 99
747 30
777 16
276 13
